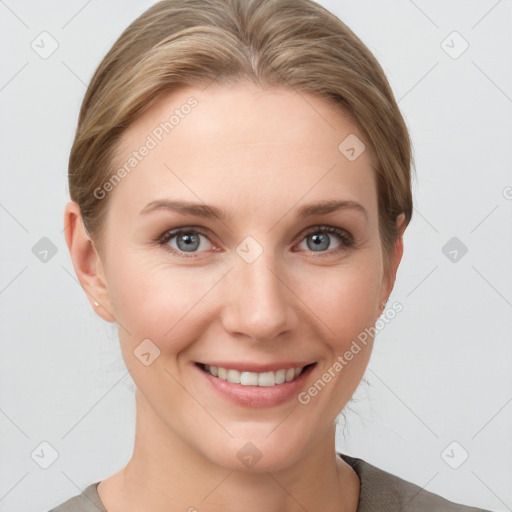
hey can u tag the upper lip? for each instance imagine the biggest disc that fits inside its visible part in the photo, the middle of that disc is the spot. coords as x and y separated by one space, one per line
257 368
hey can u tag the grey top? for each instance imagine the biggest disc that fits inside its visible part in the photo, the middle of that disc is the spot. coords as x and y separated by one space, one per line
380 492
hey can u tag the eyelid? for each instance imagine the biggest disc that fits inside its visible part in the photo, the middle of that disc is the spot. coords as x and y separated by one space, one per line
347 240
175 231
169 234
326 228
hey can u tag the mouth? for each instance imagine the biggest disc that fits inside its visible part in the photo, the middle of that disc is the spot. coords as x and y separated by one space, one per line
262 379
271 386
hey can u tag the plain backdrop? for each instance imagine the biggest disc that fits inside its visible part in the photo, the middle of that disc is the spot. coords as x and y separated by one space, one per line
435 407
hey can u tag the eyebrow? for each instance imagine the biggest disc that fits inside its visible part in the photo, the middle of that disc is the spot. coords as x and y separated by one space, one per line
210 212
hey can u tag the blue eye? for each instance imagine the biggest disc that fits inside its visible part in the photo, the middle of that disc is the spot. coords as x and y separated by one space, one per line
318 239
188 241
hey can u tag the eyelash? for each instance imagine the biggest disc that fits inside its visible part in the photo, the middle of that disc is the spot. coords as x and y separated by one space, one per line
345 237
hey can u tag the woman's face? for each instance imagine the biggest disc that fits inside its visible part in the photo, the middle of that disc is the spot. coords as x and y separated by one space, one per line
271 283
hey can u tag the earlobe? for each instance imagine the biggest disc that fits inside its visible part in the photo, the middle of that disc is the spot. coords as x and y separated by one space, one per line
86 261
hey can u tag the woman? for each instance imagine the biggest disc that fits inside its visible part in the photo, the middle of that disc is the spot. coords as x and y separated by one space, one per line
240 185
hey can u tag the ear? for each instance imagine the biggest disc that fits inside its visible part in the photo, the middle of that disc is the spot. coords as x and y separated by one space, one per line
389 277
86 261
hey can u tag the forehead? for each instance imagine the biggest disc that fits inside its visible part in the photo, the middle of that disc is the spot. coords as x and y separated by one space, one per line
245 148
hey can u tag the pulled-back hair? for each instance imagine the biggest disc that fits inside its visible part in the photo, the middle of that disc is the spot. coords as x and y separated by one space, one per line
291 43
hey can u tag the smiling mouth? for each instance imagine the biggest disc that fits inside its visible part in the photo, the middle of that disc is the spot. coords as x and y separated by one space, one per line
263 379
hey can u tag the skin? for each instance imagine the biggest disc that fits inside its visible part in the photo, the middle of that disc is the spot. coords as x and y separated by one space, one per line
258 154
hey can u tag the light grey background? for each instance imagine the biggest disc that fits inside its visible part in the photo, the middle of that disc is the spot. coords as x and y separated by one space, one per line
440 372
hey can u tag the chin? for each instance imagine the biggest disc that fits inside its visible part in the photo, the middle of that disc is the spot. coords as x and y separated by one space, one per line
255 454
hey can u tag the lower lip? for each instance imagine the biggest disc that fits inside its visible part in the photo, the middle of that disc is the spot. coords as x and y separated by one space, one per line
257 396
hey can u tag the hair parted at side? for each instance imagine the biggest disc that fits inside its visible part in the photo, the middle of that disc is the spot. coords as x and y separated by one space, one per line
290 43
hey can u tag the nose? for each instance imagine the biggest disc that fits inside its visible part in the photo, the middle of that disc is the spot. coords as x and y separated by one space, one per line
258 302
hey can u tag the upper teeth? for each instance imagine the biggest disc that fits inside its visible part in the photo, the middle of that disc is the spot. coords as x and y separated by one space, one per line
254 379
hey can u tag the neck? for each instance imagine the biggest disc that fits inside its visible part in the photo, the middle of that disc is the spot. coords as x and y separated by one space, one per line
164 471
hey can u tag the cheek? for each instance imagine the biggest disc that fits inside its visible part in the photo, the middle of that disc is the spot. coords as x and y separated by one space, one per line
344 299
345 305
156 302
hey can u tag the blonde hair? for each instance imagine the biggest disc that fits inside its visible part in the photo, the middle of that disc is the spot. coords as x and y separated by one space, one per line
291 43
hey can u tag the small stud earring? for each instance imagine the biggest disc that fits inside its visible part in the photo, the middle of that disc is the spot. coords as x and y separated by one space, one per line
96 304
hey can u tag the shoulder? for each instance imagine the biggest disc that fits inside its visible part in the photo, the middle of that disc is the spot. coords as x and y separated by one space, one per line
87 501
383 492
